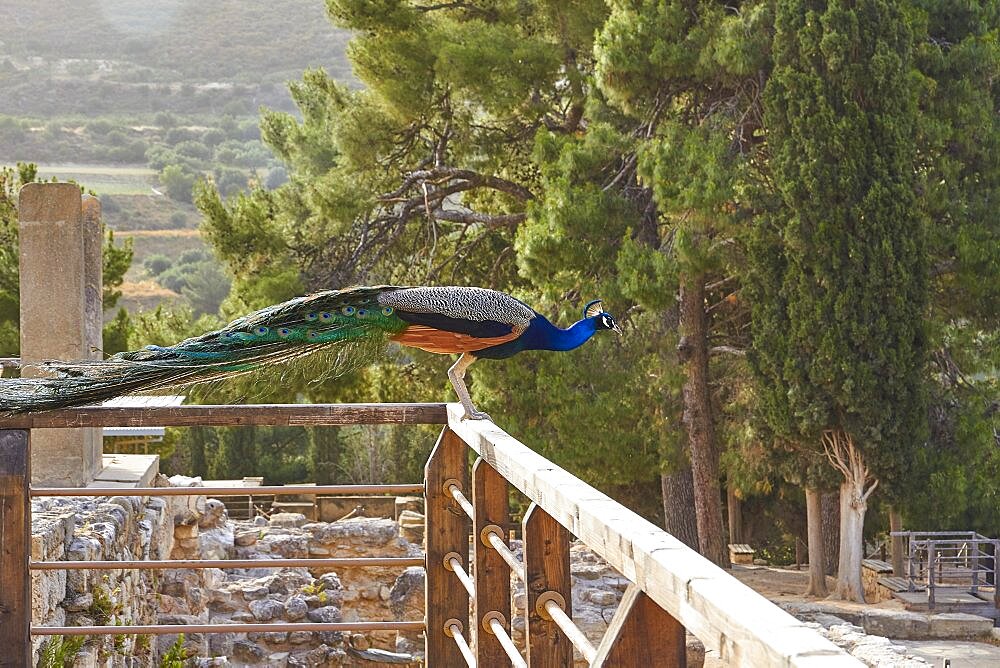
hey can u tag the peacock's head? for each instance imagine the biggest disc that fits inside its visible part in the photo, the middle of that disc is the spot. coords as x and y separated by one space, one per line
602 319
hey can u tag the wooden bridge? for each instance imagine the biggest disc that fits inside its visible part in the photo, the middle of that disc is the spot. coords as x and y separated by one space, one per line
672 589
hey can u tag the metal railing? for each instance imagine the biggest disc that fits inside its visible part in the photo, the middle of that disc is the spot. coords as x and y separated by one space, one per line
963 560
673 588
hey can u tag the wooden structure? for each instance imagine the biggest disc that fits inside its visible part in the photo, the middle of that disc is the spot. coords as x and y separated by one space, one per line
956 570
673 588
741 554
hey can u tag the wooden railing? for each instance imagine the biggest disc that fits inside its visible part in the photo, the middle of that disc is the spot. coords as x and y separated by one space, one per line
673 588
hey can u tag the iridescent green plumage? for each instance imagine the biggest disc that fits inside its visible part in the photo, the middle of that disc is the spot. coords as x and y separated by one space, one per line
350 326
350 323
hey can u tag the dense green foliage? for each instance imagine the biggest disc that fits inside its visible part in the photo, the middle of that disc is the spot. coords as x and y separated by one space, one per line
828 167
840 264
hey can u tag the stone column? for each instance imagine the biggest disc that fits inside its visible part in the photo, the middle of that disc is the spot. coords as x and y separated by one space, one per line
61 313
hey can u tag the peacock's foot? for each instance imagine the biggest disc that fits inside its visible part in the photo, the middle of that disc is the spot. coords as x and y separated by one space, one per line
473 414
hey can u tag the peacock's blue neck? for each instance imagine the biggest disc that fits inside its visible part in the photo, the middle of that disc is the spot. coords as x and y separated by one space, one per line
549 337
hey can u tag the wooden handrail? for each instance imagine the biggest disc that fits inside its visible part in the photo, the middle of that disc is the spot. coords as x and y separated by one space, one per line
285 415
303 490
729 617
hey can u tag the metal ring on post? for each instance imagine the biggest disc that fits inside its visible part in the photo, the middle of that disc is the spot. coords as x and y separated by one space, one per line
448 483
450 623
489 617
447 560
544 599
484 535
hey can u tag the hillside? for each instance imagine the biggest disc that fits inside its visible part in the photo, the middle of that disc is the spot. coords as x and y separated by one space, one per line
94 57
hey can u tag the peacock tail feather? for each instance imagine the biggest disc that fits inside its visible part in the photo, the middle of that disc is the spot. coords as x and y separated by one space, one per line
347 327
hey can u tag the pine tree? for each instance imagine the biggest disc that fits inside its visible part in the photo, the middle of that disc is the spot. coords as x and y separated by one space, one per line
839 275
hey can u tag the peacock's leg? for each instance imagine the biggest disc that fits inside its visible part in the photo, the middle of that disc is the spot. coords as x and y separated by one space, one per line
456 374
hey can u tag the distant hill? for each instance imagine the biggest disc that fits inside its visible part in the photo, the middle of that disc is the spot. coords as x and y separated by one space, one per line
96 57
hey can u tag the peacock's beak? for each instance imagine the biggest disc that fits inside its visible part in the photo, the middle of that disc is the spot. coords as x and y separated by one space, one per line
616 328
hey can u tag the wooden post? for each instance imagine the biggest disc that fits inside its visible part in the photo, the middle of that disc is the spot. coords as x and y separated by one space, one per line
642 633
931 554
446 530
546 566
489 498
15 527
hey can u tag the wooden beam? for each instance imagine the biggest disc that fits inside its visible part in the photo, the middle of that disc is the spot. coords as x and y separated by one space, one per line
490 503
446 531
293 415
546 565
15 527
726 615
641 634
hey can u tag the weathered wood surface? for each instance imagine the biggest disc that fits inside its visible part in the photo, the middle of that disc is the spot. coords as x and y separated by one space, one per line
15 530
305 490
725 614
641 634
446 530
291 415
546 568
491 505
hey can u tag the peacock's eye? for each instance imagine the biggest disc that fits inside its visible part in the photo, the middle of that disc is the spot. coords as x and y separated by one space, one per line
311 316
325 316
362 312
261 331
312 335
387 310
348 310
284 331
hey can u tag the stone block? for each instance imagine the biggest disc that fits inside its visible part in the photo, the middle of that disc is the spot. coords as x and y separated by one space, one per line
959 625
899 624
288 520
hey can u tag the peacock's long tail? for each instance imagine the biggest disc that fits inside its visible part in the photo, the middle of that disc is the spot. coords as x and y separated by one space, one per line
350 323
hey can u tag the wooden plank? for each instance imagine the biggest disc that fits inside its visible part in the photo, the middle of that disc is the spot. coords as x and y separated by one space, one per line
490 501
725 614
446 530
294 415
546 566
641 633
15 528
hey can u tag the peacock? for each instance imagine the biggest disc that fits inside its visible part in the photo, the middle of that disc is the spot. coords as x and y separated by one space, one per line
349 325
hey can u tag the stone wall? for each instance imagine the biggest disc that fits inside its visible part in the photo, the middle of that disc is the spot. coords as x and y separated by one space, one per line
75 529
198 528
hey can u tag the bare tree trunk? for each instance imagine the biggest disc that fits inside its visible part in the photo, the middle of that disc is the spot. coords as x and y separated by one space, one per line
854 493
693 351
896 524
817 561
734 512
831 531
678 506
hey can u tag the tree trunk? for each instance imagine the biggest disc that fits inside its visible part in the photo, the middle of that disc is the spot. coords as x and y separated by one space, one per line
840 450
817 560
898 542
831 531
693 351
678 506
852 526
734 512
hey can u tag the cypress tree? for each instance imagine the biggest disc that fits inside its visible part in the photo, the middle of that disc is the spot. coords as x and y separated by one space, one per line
839 277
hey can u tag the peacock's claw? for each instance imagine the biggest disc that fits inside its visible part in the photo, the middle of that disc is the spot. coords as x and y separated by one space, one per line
476 415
